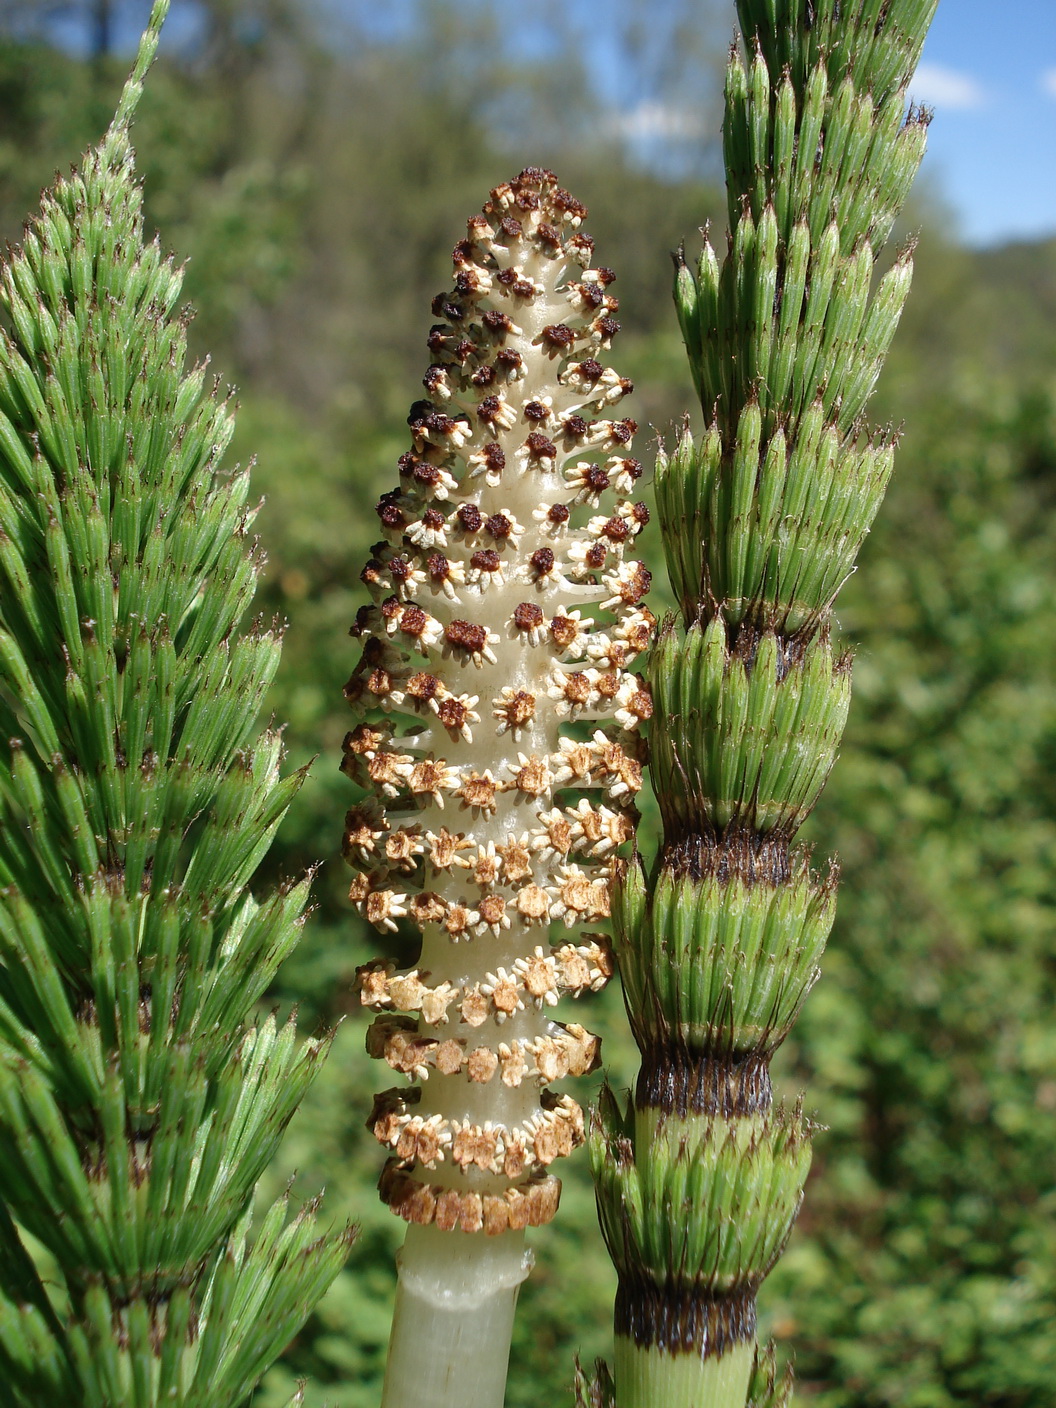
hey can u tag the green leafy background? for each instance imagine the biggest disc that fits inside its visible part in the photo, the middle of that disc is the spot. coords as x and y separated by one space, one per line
315 177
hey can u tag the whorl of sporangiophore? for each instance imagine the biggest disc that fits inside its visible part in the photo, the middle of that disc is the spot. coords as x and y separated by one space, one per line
499 743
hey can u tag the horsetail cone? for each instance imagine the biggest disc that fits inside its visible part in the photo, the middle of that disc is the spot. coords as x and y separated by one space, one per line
762 516
499 745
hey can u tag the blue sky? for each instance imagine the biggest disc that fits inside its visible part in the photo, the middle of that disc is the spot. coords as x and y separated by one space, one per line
989 71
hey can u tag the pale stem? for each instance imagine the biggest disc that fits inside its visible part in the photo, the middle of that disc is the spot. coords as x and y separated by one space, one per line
455 1302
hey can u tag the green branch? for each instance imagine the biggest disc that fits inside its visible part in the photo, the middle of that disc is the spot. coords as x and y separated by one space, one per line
140 1099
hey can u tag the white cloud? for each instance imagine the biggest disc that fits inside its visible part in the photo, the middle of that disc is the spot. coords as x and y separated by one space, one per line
652 121
946 88
1048 82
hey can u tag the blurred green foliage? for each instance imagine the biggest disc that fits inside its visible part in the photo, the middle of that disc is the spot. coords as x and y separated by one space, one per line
316 174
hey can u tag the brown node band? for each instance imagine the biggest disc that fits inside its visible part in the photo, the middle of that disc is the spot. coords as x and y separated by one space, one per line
682 1082
736 853
530 1204
683 1320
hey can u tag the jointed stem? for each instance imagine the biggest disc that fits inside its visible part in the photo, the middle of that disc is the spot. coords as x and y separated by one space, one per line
700 1178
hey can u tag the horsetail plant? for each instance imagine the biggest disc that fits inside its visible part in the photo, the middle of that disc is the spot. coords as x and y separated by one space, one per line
140 1099
699 1179
499 745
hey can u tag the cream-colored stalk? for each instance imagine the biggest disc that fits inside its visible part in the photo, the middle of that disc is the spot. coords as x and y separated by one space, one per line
500 744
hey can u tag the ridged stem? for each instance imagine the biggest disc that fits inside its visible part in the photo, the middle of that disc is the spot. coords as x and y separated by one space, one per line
699 1177
648 1376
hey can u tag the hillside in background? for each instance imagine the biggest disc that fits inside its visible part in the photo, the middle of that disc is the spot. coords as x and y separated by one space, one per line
317 190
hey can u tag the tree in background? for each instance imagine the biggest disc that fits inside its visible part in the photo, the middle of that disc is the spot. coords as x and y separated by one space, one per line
908 1279
139 1099
928 1261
